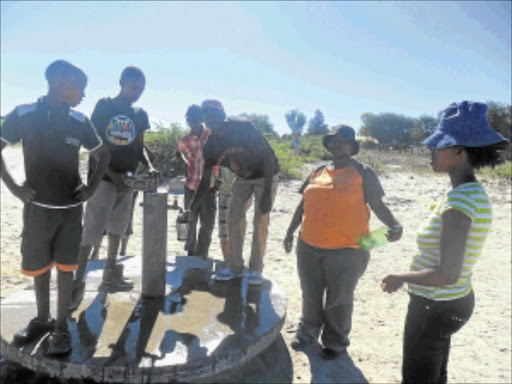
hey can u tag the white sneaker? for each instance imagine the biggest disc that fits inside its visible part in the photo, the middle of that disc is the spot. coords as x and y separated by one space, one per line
255 278
226 274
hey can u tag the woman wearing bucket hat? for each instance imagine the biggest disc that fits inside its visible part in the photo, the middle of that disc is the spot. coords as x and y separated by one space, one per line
333 215
449 242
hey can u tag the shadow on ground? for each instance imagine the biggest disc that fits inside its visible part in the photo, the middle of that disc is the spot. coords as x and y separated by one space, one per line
273 365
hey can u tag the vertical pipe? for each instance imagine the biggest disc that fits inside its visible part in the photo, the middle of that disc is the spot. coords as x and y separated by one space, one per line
154 244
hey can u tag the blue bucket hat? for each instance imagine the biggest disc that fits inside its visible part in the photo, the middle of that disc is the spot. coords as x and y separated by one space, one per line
464 124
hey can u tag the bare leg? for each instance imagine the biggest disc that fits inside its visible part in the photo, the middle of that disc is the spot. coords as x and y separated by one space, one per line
65 282
124 244
42 290
96 251
83 258
224 243
113 248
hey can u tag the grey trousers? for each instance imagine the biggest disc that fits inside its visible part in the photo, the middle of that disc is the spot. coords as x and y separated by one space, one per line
241 194
199 245
334 273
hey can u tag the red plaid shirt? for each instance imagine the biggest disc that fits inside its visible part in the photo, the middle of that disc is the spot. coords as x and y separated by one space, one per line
191 148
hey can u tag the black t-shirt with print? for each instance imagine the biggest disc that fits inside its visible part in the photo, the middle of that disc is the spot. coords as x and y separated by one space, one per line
119 127
241 148
51 140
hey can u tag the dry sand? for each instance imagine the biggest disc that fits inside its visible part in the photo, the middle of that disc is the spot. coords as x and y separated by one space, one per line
481 351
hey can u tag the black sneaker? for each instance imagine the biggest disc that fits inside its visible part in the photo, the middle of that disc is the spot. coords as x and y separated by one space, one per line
77 295
332 354
298 344
59 343
113 280
35 329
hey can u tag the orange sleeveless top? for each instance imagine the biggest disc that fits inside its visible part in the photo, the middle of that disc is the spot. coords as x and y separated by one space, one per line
335 211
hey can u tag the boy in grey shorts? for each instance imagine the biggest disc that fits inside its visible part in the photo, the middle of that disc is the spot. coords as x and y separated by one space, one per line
121 127
51 134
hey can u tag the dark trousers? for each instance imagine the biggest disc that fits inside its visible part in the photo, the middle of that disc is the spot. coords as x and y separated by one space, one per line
429 326
199 245
335 273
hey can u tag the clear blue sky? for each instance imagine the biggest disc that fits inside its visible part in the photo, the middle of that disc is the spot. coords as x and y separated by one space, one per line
344 58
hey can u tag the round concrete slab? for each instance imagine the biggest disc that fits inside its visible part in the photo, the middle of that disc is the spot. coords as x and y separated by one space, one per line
199 329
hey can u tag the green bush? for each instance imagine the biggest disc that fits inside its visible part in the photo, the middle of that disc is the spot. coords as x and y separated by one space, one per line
164 144
502 171
290 165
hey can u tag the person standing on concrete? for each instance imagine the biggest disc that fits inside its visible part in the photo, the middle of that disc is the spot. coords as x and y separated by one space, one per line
237 144
121 127
52 134
190 148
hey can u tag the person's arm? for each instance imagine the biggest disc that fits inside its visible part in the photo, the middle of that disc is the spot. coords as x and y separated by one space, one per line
382 211
455 226
374 193
23 193
202 189
101 155
294 224
144 156
269 171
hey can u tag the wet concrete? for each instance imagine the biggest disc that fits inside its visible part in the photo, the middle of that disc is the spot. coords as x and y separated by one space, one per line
198 330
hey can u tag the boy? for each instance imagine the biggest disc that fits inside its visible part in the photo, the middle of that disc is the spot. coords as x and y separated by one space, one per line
190 148
122 129
236 143
52 134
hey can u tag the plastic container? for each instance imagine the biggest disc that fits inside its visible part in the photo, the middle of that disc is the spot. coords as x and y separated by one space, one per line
182 226
374 239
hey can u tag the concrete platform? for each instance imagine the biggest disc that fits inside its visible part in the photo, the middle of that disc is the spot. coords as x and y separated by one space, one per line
200 329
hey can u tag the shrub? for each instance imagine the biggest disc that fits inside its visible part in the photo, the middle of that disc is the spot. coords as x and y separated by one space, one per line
164 144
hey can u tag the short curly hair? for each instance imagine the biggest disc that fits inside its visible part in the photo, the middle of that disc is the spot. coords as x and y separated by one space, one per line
488 156
60 69
131 73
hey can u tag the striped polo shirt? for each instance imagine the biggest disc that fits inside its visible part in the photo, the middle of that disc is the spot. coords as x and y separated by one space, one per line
472 200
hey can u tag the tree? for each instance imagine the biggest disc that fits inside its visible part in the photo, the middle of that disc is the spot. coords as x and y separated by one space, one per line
262 122
499 116
316 125
296 121
388 128
423 127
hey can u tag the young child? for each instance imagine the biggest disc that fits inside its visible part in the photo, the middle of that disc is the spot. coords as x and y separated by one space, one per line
121 126
190 147
450 242
52 134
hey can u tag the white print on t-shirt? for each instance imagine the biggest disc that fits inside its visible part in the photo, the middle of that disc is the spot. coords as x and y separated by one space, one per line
120 130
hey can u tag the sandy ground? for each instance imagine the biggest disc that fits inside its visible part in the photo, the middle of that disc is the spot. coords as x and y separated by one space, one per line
481 351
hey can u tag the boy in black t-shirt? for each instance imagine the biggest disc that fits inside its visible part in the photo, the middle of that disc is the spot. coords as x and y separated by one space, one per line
52 134
122 129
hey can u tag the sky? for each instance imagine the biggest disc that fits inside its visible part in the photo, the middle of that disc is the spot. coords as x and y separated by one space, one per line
344 58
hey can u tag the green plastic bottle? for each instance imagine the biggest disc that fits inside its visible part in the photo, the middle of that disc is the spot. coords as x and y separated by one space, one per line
374 239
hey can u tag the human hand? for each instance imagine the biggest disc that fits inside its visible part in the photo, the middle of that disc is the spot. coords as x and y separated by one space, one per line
83 192
25 194
288 243
395 232
391 283
265 204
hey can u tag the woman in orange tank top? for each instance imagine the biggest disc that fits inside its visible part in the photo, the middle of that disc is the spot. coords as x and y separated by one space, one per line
333 214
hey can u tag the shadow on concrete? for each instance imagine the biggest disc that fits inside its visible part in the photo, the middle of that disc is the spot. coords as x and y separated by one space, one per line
200 327
341 370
